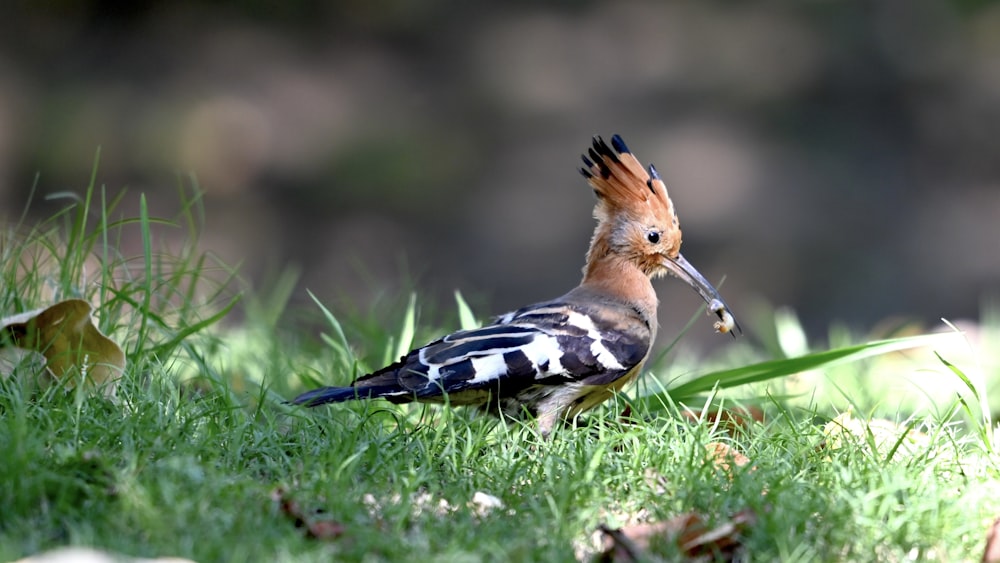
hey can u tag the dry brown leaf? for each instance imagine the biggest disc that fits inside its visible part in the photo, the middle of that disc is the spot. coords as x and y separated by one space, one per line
317 529
992 552
630 543
70 342
723 455
626 415
724 538
325 529
688 531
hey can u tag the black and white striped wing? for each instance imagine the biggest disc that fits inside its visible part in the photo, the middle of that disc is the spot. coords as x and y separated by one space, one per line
547 344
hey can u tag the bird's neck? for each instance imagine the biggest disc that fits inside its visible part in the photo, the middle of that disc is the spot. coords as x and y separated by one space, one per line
622 280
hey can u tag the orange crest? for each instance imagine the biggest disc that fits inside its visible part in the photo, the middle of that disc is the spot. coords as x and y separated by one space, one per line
622 185
631 200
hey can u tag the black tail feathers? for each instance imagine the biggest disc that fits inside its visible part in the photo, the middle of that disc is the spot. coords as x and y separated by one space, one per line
325 395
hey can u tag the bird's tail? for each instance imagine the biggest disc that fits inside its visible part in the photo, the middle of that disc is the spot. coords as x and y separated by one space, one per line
325 395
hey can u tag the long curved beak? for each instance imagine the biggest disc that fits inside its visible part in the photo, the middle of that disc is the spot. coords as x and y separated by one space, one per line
682 269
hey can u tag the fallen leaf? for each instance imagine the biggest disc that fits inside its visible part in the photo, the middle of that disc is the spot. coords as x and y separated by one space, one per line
325 529
317 529
687 531
725 456
69 341
992 552
626 416
631 542
723 538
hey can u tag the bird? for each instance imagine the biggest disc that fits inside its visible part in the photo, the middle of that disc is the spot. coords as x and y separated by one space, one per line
553 360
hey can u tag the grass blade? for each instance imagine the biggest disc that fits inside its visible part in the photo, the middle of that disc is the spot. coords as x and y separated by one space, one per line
983 420
147 256
465 317
773 369
409 328
341 341
961 375
168 346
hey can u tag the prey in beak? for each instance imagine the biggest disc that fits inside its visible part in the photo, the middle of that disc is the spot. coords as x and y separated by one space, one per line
680 268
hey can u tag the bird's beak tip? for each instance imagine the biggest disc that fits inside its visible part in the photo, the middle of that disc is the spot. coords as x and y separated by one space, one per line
683 269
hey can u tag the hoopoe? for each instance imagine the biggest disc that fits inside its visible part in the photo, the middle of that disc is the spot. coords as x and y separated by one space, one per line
556 359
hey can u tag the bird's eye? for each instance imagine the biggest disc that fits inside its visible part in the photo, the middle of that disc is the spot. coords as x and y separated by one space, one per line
653 236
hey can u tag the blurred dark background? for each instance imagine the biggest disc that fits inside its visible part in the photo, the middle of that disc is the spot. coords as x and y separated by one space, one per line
837 157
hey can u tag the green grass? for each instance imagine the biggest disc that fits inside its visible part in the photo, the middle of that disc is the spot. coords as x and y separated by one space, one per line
187 460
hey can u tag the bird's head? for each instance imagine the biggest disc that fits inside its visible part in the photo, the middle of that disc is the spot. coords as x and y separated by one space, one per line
637 222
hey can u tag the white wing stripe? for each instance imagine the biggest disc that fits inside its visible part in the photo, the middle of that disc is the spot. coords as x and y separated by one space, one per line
488 368
597 348
542 350
603 355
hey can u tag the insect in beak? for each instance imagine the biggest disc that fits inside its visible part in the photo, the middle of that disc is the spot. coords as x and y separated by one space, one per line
682 269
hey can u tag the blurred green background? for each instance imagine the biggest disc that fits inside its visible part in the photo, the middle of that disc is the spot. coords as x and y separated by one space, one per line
838 157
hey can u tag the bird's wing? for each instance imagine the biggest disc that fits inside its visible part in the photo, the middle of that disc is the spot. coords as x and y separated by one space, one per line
546 344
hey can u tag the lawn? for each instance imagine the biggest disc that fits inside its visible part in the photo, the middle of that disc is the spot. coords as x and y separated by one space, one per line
856 447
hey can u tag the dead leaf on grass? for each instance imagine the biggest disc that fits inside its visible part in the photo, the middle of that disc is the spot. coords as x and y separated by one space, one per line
725 456
317 529
69 341
688 531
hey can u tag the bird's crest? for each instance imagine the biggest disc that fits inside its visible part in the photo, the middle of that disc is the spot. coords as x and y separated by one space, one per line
622 185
